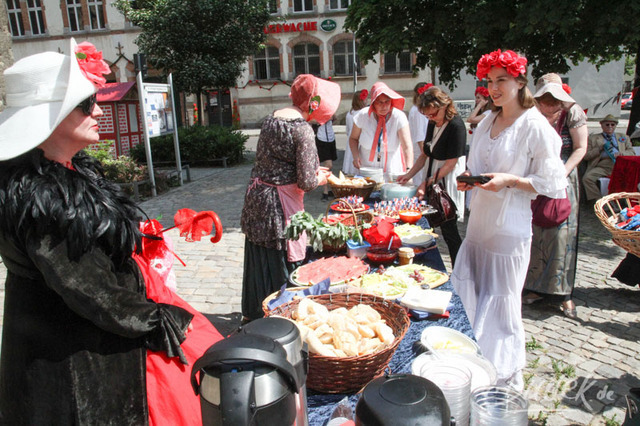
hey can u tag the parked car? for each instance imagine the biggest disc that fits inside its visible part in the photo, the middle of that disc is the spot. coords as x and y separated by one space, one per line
625 100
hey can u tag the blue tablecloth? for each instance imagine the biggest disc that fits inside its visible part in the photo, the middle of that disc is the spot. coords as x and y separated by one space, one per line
322 405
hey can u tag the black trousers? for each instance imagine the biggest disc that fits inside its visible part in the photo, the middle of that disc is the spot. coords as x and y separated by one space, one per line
452 238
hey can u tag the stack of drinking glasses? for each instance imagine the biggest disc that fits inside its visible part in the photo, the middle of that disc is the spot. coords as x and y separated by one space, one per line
492 405
455 383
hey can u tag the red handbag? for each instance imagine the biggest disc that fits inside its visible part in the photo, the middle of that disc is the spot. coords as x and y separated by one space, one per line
550 212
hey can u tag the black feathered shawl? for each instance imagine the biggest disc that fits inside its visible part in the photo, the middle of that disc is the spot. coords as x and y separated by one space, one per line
77 322
41 197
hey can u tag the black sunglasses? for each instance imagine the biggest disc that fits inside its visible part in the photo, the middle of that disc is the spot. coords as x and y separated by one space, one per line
87 105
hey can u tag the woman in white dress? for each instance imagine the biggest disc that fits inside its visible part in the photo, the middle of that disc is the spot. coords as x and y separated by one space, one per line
418 127
380 137
358 102
517 148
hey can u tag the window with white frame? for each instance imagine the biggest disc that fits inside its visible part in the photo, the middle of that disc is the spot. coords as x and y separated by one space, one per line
74 12
96 15
397 63
303 5
306 59
343 58
339 4
36 17
15 18
266 64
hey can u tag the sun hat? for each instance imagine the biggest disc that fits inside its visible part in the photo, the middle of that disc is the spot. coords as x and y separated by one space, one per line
552 83
379 88
320 97
609 117
41 90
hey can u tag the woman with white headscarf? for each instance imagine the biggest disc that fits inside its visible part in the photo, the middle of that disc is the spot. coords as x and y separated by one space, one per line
381 137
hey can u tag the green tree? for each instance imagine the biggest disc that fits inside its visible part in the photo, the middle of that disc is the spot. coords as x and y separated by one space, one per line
205 43
451 36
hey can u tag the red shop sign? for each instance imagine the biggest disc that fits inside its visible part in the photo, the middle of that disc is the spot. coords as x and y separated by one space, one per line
291 28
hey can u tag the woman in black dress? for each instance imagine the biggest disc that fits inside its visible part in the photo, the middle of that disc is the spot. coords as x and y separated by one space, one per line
444 150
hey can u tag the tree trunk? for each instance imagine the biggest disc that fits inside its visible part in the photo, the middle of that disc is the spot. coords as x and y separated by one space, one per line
200 107
634 117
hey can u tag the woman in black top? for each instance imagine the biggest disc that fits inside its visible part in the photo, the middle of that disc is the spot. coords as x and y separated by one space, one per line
444 149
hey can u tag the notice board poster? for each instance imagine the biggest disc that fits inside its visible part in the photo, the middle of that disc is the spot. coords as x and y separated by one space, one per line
158 109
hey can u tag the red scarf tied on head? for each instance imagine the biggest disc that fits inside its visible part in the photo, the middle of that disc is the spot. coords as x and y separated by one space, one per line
397 101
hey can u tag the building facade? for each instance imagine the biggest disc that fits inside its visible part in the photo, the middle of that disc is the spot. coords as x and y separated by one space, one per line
304 36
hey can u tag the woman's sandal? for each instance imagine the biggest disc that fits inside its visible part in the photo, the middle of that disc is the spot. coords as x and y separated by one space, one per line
530 298
569 309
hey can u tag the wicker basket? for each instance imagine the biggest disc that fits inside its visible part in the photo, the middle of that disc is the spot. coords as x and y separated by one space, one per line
350 374
607 209
360 191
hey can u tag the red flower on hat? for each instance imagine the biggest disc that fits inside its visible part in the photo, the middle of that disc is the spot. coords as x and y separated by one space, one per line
91 63
566 88
363 94
509 60
424 88
482 91
314 104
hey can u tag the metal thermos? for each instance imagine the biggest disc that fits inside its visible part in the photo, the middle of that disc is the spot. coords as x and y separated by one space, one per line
246 380
287 334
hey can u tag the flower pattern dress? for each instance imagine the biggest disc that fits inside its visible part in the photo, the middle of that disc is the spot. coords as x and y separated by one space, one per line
286 154
554 251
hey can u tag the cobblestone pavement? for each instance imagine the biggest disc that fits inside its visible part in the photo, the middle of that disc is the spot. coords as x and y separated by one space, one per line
578 370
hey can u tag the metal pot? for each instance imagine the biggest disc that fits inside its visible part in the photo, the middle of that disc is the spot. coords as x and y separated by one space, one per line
287 334
246 380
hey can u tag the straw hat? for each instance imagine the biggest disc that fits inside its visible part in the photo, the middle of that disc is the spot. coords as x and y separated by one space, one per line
380 88
42 90
320 97
552 83
609 117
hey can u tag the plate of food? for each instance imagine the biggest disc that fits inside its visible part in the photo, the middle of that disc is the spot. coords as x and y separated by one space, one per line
415 236
395 281
351 203
339 269
343 209
445 340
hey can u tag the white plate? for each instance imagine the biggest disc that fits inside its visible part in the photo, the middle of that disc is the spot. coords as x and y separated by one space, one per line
448 340
483 373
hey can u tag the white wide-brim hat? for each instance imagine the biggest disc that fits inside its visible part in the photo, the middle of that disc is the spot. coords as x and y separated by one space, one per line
552 83
42 89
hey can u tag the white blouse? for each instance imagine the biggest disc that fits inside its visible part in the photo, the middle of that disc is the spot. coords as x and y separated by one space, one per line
368 124
529 148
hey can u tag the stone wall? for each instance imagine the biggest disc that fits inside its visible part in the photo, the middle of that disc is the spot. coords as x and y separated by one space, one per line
6 56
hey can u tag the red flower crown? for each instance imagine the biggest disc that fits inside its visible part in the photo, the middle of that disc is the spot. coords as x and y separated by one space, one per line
509 60
566 88
363 94
424 88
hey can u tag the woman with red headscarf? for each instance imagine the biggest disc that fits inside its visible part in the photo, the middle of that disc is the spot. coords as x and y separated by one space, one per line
286 167
380 137
517 148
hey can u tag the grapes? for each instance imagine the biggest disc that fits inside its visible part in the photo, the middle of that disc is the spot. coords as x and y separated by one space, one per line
416 276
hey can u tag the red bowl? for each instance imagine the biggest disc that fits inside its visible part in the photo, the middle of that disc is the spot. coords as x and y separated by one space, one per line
382 255
410 216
